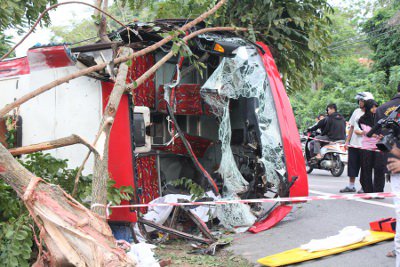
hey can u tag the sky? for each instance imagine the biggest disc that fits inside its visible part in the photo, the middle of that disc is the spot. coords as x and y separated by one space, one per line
63 15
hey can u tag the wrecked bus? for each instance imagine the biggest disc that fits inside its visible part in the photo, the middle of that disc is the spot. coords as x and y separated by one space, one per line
225 123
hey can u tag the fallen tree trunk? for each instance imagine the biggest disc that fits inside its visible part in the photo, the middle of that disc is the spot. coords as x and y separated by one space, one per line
72 233
62 142
100 174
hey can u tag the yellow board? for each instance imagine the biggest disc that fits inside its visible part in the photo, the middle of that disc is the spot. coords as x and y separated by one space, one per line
299 255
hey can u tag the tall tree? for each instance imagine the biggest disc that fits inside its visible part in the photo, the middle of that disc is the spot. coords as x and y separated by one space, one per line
19 15
296 31
383 32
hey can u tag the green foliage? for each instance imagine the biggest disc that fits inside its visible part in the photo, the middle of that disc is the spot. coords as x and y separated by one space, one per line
194 189
19 14
343 78
5 44
124 11
16 241
181 8
384 38
10 206
296 31
343 75
56 171
15 233
11 132
116 195
346 33
76 32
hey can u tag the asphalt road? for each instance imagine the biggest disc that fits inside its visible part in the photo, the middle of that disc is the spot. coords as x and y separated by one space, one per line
319 219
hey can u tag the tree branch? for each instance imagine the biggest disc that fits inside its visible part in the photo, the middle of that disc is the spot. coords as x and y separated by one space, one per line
98 67
100 173
102 24
78 174
62 142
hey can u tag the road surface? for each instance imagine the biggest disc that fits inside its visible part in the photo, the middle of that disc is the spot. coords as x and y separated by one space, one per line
319 219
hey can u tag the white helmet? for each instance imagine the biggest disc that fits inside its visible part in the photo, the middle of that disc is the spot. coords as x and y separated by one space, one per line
364 96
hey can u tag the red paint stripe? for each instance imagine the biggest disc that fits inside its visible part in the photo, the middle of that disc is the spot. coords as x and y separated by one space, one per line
14 67
49 57
290 135
120 151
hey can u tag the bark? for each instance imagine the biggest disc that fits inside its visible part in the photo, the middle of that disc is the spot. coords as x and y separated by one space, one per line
73 235
100 174
101 25
62 142
98 67
98 4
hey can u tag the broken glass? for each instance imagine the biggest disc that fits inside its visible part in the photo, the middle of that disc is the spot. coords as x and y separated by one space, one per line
243 76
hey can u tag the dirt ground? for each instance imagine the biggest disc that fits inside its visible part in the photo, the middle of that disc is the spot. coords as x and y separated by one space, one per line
177 252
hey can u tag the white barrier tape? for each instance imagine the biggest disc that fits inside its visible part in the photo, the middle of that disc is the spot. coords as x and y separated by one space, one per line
341 144
259 200
101 205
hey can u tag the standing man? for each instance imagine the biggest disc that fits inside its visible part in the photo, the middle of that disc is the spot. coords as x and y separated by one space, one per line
354 139
333 130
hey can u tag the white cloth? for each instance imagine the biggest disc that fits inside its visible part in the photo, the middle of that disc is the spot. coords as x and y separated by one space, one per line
395 184
356 140
347 236
143 255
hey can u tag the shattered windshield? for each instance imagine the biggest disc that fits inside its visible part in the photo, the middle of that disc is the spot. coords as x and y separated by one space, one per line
238 77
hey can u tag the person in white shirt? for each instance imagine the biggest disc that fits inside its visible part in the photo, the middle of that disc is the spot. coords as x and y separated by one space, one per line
354 139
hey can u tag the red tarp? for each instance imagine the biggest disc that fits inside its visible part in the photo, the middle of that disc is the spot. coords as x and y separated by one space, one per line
273 218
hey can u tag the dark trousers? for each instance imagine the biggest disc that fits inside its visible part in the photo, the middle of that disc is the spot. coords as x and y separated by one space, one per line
354 162
372 162
317 144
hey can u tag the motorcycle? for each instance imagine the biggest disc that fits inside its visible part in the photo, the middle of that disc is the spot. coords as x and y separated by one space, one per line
334 156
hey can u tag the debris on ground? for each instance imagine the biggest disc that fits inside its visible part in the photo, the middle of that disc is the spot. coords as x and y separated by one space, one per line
176 250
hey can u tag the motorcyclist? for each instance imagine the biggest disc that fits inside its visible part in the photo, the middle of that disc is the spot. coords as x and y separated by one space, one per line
319 125
334 129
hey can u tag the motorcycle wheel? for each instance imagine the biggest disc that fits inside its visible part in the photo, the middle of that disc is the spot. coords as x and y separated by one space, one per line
338 171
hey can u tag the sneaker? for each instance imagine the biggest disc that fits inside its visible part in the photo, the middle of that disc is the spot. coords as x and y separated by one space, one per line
347 190
360 191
